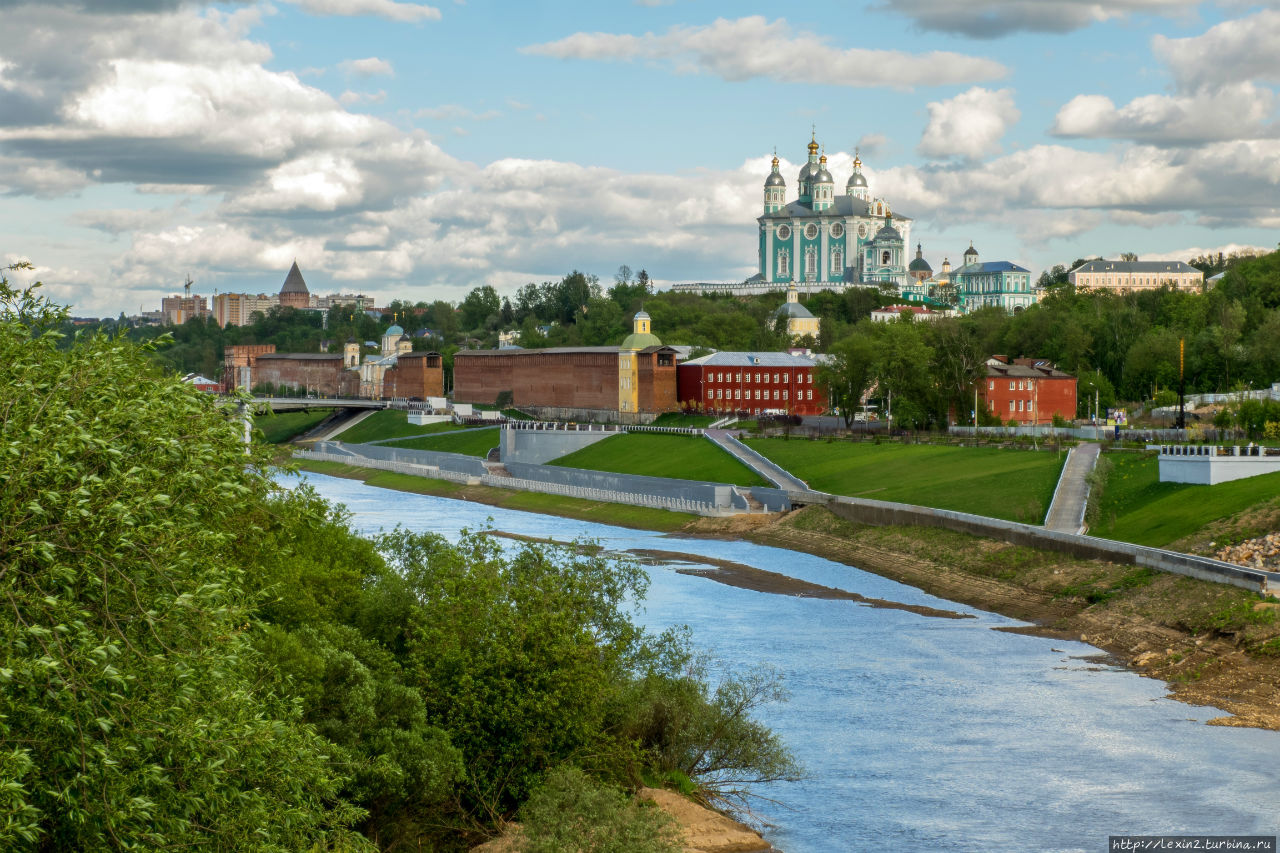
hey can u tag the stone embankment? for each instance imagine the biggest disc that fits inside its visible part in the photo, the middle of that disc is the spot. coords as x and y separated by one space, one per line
1260 553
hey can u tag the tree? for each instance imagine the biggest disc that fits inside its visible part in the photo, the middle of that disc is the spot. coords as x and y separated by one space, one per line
130 712
901 369
479 305
1128 256
848 373
958 364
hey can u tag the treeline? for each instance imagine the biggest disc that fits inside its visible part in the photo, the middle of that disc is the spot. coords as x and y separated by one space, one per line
194 657
1123 347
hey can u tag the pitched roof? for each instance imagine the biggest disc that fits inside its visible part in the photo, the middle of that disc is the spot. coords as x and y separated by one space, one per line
293 282
793 309
842 206
1135 266
989 266
751 359
1025 368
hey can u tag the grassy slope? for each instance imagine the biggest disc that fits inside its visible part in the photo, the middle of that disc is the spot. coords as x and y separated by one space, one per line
1016 485
389 423
685 457
623 515
282 426
1135 506
469 442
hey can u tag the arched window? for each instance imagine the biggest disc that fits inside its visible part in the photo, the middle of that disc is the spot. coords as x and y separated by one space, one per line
784 262
884 258
837 261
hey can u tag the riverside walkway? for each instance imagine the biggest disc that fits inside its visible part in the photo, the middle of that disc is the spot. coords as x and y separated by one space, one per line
1066 512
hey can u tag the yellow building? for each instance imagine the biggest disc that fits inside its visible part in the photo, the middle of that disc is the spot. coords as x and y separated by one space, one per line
800 321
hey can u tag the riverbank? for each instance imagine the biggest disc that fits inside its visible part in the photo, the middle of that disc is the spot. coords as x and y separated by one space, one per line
1212 644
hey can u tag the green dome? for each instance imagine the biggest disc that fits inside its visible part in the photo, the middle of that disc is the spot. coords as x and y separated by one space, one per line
637 340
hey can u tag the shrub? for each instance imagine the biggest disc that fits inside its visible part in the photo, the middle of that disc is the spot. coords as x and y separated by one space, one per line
570 813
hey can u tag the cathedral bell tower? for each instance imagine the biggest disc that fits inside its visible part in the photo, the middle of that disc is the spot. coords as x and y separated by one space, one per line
775 189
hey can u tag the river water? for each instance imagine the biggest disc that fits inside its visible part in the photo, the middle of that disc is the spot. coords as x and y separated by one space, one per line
920 733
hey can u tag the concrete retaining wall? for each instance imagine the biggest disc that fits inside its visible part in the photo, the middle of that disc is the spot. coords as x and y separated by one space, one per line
454 462
1208 465
658 492
1085 547
537 446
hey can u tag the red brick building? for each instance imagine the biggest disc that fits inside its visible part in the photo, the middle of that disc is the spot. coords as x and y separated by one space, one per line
567 382
1027 390
408 374
751 382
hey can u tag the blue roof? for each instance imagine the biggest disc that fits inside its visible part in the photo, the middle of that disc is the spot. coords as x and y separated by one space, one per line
990 266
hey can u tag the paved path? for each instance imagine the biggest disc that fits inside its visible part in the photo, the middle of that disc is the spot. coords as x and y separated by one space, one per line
343 424
1066 513
779 477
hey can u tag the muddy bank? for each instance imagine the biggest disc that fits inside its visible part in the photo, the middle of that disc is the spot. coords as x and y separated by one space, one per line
761 580
1212 644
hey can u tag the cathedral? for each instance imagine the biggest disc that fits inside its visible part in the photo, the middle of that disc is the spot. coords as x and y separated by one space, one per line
823 240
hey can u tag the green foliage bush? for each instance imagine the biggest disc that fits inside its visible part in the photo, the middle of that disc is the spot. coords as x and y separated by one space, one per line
130 715
570 813
191 656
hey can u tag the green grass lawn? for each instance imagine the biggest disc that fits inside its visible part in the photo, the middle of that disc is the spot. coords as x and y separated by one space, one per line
679 419
684 457
1135 506
1016 485
282 426
476 441
390 423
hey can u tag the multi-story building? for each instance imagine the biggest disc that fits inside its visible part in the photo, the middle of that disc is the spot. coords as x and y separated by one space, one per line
1135 275
177 310
237 309
1027 390
750 382
993 283
920 313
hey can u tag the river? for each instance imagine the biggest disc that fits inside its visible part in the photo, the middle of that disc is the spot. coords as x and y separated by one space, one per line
921 733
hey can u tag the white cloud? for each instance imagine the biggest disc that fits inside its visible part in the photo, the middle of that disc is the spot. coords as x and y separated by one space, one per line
389 9
121 220
367 67
350 98
1238 110
995 18
970 125
752 47
455 112
1233 51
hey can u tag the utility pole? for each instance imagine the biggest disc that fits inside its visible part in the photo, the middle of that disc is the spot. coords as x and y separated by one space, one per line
1182 385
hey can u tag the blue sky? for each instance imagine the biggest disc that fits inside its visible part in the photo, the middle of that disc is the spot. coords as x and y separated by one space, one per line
415 150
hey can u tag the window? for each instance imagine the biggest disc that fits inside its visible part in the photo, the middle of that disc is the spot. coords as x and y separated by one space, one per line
837 261
739 379
785 395
784 262
775 378
810 395
737 394
1012 385
991 385
1011 405
884 257
809 378
1020 405
757 380
775 393
757 393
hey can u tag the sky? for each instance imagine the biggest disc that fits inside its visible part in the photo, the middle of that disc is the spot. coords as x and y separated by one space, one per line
415 151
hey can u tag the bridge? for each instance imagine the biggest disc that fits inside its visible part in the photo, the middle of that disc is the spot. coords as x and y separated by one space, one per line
289 404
